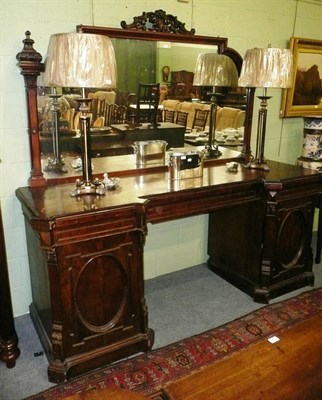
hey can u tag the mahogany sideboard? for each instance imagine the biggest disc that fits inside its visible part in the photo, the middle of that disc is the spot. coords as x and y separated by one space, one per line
86 253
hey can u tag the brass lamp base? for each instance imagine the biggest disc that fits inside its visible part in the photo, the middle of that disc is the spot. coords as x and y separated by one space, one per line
256 164
88 187
212 151
57 166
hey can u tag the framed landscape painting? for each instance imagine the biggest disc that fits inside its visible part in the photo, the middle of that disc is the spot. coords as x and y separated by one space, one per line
304 98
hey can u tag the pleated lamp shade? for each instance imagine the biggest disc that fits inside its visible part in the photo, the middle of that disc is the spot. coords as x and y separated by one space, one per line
80 60
214 69
264 68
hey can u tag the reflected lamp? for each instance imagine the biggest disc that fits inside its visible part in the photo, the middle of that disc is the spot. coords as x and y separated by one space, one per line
52 113
80 60
265 68
214 69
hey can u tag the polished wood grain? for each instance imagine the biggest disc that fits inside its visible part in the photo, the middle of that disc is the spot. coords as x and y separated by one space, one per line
154 184
108 394
125 165
290 369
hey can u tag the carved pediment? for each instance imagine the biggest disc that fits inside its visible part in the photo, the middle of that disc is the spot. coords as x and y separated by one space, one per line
157 21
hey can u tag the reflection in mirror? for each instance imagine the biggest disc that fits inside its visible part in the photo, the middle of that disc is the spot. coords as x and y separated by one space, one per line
137 61
174 73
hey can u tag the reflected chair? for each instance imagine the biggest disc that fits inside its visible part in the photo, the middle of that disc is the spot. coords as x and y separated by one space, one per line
101 104
168 115
147 103
93 106
200 120
99 122
228 117
76 121
181 82
182 118
108 113
119 114
69 116
179 90
100 107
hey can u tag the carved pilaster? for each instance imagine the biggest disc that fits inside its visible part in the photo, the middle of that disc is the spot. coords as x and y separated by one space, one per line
29 61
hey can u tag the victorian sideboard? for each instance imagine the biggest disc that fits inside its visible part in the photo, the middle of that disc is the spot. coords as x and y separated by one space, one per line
86 253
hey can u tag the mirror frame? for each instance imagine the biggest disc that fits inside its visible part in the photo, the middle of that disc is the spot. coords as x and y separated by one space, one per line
164 27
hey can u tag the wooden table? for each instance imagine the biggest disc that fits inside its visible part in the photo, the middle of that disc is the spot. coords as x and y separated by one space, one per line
172 133
290 369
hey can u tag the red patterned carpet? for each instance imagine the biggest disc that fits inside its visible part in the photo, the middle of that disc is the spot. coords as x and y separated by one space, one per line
148 372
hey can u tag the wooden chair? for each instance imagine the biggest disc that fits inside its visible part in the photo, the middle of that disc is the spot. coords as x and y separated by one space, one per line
168 115
99 122
100 107
108 113
200 120
181 82
75 126
76 122
147 103
182 118
93 108
69 116
119 115
229 117
99 103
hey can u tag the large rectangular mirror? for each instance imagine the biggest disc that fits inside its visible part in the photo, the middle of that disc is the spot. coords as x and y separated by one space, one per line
142 55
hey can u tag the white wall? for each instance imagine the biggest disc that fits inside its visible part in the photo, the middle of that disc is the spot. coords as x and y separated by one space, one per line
247 23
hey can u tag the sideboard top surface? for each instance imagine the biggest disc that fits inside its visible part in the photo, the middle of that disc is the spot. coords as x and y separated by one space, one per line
149 189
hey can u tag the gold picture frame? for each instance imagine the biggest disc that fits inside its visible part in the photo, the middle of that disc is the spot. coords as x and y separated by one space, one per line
304 98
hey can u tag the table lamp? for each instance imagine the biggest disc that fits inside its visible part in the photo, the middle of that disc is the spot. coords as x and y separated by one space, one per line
214 69
264 68
80 60
55 164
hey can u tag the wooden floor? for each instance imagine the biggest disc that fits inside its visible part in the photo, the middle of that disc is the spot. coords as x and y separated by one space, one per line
108 394
290 369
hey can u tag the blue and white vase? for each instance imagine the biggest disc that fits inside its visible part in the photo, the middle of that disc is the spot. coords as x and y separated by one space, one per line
312 143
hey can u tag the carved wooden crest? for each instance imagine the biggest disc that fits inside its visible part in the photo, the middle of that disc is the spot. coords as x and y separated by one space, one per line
157 21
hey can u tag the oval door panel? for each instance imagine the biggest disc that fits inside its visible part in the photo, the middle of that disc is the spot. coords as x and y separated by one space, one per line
291 239
100 292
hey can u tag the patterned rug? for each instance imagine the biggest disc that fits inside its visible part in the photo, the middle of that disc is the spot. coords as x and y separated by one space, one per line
148 372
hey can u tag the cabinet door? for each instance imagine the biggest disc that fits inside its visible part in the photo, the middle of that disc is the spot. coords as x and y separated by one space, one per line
94 265
101 291
287 251
235 244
